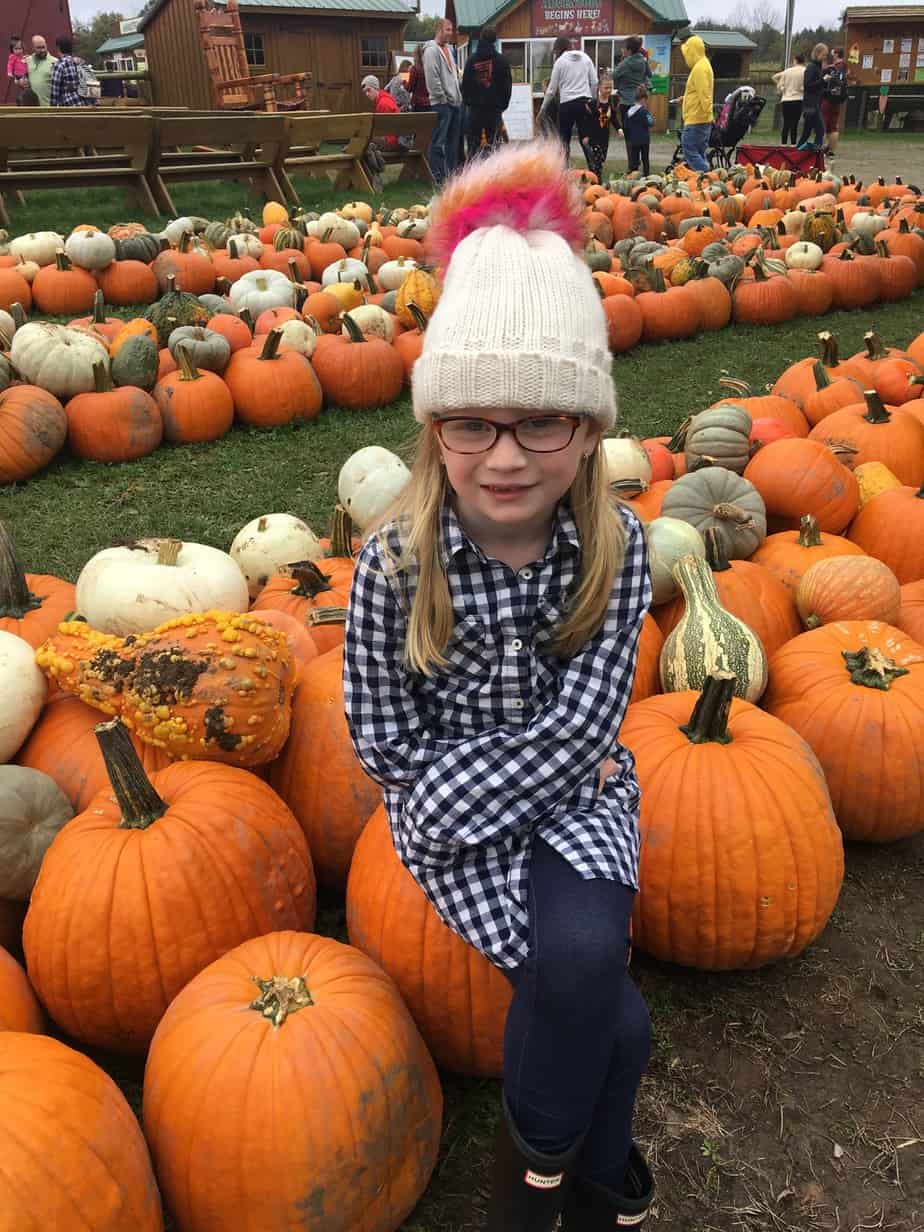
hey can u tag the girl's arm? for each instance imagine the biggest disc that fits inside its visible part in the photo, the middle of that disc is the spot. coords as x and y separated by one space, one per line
511 778
387 733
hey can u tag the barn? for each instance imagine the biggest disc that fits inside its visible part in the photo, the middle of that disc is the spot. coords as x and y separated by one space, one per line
338 41
51 18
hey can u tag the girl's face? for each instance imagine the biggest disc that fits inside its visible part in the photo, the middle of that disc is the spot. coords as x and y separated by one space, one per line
509 492
606 89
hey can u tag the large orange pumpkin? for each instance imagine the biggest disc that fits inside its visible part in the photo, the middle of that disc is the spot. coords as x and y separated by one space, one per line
855 691
114 424
318 774
891 528
56 1105
272 387
196 405
788 554
456 996
300 1046
315 592
155 880
848 588
19 1008
876 433
796 477
31 604
647 668
33 427
358 371
911 613
741 859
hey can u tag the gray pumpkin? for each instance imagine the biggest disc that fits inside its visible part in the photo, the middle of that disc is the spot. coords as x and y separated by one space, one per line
719 436
217 303
715 251
136 362
718 499
727 268
207 348
143 247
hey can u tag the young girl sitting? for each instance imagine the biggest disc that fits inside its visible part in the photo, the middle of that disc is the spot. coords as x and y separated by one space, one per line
604 116
638 123
490 651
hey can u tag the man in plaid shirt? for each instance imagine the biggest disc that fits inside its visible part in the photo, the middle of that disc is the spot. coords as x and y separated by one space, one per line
65 79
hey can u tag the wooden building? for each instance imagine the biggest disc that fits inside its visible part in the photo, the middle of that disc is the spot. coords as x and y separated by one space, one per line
50 18
885 45
338 41
729 53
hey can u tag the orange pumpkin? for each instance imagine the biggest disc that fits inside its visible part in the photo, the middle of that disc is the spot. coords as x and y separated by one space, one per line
31 604
272 387
33 427
876 433
128 282
358 371
113 424
19 1009
195 405
795 477
891 528
788 554
62 289
848 588
911 613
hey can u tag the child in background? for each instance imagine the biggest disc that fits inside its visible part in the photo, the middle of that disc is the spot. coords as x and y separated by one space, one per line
16 68
638 125
604 115
491 645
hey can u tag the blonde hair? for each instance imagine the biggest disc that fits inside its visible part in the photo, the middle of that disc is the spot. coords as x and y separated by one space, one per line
418 512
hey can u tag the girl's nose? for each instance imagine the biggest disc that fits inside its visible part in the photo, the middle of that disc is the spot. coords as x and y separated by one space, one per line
506 451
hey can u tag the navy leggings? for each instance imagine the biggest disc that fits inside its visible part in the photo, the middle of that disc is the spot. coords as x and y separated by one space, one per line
578 1035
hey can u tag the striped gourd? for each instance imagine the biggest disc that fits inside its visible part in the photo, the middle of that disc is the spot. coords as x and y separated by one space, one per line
710 639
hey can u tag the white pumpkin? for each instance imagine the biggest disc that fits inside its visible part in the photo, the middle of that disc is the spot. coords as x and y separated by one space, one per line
391 274
262 289
7 327
669 539
347 270
369 481
803 255
268 542
864 222
336 229
793 222
22 693
133 589
38 246
91 250
247 245
175 228
357 211
628 466
372 319
57 358
412 228
298 336
33 808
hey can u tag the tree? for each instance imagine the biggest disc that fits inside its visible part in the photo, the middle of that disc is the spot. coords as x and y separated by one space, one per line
88 35
421 28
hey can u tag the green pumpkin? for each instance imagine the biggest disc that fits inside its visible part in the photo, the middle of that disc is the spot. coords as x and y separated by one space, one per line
217 234
136 363
288 237
175 308
710 639
597 259
821 229
684 271
138 248
240 222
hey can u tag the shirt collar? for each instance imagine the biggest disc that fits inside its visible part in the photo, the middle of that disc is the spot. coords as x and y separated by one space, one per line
455 541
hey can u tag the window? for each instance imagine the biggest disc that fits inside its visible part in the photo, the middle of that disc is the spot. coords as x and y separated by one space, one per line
253 49
516 56
605 52
373 54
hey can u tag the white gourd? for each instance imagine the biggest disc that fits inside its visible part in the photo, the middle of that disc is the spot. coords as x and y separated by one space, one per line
265 544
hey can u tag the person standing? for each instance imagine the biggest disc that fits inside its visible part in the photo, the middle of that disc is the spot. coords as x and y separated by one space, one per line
632 71
397 87
446 99
789 82
574 83
486 87
417 83
638 125
697 104
813 125
16 68
833 98
604 115
40 66
67 79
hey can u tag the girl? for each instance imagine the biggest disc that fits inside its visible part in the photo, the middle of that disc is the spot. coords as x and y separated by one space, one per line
638 124
603 115
490 651
16 68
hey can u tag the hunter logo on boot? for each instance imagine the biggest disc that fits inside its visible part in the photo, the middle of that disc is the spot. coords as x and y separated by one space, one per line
538 1181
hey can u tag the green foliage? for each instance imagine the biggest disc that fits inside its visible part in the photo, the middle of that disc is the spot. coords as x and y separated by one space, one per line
421 27
88 35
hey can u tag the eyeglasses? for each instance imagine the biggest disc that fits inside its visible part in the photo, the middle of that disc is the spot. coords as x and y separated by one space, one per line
545 434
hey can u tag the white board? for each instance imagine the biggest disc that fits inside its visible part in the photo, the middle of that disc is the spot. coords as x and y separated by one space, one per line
518 118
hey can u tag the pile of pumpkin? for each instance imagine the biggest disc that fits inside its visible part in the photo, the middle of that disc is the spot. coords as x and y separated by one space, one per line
258 325
674 255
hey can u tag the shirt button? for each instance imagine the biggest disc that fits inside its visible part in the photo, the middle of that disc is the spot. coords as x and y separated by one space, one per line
516 644
526 574
518 703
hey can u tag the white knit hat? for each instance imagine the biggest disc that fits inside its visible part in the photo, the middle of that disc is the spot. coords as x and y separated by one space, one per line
519 324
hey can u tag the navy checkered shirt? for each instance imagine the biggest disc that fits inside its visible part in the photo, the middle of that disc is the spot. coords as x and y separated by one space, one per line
507 742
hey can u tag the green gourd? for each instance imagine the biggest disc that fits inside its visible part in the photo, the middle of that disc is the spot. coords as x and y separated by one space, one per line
709 639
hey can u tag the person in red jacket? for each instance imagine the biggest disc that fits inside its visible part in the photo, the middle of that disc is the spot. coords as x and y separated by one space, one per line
382 103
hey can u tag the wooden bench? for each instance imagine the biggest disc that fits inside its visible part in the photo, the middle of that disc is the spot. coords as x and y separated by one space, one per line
127 139
242 146
307 134
416 127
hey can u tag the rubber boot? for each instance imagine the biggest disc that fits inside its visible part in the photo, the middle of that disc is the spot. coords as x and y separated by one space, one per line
592 1208
529 1189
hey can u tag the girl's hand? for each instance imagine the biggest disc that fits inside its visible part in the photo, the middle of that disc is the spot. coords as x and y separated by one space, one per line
609 767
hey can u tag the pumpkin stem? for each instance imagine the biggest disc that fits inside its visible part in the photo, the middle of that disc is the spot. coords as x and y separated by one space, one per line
271 346
709 721
15 596
326 616
62 262
876 412
354 333
716 557
421 321
822 380
828 348
871 668
741 388
313 322
98 317
139 802
101 379
247 317
171 284
5 341
875 348
168 551
183 357
309 580
734 513
341 531
222 285
279 997
678 441
809 534
18 313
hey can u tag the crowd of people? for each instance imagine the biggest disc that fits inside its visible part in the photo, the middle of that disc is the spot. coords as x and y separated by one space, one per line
43 80
815 93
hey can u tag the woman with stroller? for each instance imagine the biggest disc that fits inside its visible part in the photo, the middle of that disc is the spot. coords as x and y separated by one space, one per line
790 82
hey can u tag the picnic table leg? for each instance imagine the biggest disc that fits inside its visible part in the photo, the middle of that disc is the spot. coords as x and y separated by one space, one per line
416 167
141 190
4 216
163 203
285 183
354 176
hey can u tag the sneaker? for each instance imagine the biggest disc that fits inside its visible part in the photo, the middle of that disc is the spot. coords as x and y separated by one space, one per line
804 146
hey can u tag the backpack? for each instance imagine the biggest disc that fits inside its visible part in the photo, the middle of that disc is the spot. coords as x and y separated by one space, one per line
836 85
88 85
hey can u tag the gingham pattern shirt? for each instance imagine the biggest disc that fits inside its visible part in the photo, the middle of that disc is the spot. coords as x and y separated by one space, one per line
507 742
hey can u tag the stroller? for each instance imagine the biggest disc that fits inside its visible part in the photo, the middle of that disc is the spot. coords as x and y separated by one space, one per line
736 117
